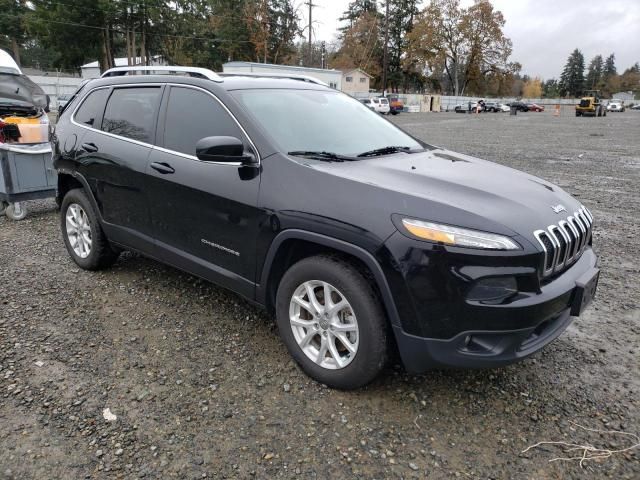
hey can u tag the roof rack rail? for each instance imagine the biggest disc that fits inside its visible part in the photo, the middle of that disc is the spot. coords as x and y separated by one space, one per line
164 69
302 78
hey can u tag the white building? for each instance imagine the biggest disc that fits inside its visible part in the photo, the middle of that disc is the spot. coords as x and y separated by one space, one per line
626 97
92 70
333 78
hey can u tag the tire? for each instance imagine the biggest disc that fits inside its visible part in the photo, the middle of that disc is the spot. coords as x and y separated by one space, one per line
97 253
16 211
3 207
353 370
578 114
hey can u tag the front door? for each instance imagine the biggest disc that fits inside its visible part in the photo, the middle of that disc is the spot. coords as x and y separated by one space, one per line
204 214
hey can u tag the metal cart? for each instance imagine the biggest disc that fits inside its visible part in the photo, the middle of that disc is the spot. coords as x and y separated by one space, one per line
26 173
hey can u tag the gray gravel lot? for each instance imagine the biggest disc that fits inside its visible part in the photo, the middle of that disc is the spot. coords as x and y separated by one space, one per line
202 387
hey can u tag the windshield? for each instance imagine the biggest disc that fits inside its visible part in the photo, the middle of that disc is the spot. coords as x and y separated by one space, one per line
320 120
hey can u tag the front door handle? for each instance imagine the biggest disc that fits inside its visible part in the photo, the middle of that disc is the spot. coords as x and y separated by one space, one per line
162 167
89 147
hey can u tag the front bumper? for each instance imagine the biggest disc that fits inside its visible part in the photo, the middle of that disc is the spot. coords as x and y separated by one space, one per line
460 333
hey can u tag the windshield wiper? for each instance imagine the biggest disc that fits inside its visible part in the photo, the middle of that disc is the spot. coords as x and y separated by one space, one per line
385 151
321 155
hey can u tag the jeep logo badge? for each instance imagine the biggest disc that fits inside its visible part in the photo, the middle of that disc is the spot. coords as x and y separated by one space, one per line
558 208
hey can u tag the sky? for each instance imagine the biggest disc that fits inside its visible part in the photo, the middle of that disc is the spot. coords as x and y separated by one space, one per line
543 32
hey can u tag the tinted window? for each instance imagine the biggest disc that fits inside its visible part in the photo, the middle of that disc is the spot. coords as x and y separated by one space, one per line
193 115
92 107
131 113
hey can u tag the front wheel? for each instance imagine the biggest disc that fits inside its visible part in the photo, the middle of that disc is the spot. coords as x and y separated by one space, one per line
85 241
3 207
332 322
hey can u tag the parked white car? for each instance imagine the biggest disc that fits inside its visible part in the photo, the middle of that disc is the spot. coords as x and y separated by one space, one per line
615 106
380 105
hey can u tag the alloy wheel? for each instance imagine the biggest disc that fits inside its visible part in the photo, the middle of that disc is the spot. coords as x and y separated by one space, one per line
324 324
78 230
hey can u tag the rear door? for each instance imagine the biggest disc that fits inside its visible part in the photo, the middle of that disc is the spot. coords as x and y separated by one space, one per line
204 214
114 153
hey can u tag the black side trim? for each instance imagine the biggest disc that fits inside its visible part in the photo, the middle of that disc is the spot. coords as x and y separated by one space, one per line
367 258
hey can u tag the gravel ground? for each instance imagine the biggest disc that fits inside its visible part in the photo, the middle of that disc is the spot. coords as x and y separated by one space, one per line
201 386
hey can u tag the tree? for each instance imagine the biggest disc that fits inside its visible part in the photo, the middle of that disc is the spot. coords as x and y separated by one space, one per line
402 14
462 44
361 46
630 79
355 10
12 26
595 72
572 78
532 88
610 66
551 88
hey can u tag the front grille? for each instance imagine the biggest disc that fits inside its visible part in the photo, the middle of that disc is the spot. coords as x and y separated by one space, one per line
564 243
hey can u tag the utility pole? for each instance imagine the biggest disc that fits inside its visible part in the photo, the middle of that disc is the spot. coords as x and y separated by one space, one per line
311 5
385 58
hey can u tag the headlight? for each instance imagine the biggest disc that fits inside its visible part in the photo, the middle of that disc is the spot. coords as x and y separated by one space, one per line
460 237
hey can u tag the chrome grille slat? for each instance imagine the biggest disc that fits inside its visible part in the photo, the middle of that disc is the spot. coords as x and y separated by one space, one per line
564 243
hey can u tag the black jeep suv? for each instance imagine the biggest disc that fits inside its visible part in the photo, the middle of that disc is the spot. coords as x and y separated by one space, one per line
357 236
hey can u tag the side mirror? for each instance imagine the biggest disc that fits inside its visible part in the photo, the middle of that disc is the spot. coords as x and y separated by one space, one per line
222 149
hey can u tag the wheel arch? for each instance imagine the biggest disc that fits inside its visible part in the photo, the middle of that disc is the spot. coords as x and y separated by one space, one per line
293 245
68 181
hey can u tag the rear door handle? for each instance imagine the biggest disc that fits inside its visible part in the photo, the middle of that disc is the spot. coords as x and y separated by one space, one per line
162 167
89 147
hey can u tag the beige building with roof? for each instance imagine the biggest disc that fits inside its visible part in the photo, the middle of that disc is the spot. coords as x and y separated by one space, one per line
355 81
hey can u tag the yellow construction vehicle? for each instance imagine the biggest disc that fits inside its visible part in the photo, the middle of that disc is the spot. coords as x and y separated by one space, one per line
591 105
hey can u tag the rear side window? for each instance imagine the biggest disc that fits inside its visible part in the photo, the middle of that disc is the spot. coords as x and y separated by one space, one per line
92 107
193 115
131 113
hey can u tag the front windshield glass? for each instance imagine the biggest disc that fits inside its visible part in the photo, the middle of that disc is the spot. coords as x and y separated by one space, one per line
323 121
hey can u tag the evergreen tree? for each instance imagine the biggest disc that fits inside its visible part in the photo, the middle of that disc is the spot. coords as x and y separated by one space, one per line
402 14
572 78
355 10
610 67
595 71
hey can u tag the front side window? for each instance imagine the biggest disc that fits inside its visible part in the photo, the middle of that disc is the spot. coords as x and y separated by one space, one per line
92 107
193 115
321 120
131 113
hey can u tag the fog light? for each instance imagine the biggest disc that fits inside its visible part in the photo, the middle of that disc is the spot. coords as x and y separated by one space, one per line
493 290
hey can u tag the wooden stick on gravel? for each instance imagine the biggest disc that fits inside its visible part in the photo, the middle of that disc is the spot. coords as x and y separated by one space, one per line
589 452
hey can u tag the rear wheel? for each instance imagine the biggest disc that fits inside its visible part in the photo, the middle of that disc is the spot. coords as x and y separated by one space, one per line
332 323
3 207
82 234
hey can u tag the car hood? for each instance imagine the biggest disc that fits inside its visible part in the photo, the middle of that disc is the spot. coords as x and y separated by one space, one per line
456 189
21 91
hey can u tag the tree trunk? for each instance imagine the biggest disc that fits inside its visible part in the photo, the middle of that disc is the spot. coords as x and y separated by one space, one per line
16 51
133 46
143 46
104 60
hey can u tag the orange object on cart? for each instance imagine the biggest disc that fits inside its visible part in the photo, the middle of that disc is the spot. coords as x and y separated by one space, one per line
32 129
